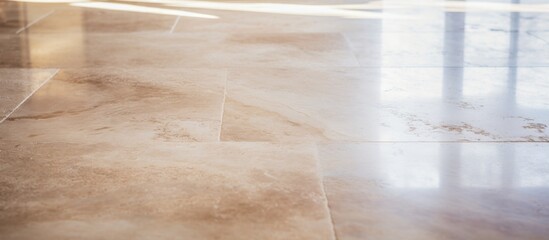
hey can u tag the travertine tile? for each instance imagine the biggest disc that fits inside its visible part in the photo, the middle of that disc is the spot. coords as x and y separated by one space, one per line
161 191
121 105
17 85
390 104
437 191
157 125
175 50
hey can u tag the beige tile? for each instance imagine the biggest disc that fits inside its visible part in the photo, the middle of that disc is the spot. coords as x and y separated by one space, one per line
161 191
17 85
175 50
15 16
121 105
437 191
390 104
295 104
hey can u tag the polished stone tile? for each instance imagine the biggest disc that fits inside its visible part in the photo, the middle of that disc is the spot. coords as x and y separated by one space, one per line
161 191
389 104
367 17
94 20
245 22
120 105
470 21
477 16
175 50
16 16
449 49
17 85
437 191
207 119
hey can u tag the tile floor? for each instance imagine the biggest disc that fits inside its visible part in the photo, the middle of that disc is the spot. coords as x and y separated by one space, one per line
355 119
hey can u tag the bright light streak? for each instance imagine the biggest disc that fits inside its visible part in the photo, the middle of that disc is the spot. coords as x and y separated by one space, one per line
141 9
349 10
49 1
276 8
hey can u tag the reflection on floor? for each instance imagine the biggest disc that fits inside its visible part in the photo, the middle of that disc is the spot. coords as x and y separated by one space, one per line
176 119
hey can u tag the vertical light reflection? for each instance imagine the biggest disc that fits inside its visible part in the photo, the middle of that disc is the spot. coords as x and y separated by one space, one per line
45 48
454 56
373 116
454 44
452 89
512 58
525 93
17 12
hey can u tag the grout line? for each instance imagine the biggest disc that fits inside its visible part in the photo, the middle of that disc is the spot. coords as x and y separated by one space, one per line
537 37
223 105
397 142
320 174
34 22
338 142
26 98
444 141
334 233
387 67
175 24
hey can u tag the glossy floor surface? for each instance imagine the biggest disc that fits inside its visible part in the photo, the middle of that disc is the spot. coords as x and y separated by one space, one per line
176 119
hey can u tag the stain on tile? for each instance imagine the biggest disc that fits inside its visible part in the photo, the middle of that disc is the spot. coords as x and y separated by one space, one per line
76 104
540 127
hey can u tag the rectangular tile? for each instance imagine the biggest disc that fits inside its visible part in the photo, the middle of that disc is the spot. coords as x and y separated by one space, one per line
122 105
16 85
175 50
387 104
437 191
161 191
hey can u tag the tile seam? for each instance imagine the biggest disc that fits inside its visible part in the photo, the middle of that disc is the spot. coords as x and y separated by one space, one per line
34 22
29 96
536 37
323 189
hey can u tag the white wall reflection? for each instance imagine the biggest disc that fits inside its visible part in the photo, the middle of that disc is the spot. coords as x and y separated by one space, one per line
443 166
